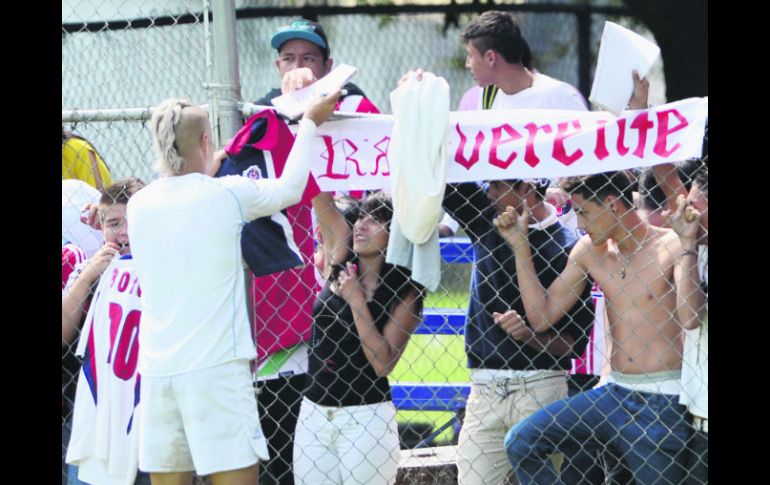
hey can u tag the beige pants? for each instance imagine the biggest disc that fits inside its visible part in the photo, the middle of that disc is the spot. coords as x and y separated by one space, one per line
491 411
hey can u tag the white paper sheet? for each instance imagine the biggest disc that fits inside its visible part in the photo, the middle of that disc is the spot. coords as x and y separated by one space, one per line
621 51
294 104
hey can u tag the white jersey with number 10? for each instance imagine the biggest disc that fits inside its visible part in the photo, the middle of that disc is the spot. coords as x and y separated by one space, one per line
104 441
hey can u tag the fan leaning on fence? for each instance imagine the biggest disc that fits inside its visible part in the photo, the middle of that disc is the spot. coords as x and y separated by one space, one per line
363 319
651 284
103 444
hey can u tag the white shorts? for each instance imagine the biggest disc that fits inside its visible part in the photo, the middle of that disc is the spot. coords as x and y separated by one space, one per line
205 420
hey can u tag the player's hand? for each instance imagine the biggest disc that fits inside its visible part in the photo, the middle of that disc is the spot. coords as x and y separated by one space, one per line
512 324
89 216
512 226
641 90
322 107
348 287
100 260
417 73
684 220
297 79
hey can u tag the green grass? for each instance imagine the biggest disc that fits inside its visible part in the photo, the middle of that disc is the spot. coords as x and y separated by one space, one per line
434 358
431 358
445 299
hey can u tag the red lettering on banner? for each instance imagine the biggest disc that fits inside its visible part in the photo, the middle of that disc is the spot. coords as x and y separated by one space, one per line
330 157
460 154
622 149
497 133
663 131
600 150
347 143
529 153
382 157
642 124
559 152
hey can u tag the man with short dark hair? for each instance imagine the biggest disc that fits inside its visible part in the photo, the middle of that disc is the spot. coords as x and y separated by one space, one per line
513 371
303 45
651 284
282 302
496 53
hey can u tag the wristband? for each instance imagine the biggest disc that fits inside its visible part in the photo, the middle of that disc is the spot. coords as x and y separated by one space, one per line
688 252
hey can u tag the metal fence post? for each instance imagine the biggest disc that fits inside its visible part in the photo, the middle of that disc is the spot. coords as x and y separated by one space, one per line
225 88
584 51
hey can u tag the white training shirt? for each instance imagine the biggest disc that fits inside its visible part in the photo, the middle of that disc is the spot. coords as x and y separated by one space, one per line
185 234
545 93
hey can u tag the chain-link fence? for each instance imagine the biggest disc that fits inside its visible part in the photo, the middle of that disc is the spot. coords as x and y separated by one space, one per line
469 372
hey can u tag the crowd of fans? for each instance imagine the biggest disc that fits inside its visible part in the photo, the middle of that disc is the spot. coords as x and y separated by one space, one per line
242 325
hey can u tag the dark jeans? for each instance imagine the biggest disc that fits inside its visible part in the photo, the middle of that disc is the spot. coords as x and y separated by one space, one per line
584 468
698 459
279 402
647 431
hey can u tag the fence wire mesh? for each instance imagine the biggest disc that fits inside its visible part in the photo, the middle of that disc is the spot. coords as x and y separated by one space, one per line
440 394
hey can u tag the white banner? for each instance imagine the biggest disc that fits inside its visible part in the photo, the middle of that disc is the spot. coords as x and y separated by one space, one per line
351 154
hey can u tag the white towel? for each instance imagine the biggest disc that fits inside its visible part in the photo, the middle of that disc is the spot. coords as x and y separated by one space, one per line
417 154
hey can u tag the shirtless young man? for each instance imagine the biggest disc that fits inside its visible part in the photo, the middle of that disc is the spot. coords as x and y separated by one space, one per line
650 280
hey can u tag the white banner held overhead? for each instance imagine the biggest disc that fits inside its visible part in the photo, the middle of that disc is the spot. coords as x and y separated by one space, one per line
507 144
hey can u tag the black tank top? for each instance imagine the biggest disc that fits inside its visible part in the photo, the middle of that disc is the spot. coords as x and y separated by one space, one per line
339 374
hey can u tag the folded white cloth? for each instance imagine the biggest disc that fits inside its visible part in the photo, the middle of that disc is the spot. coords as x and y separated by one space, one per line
424 260
417 154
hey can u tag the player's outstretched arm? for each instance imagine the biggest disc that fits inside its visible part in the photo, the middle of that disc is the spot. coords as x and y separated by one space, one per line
292 182
272 195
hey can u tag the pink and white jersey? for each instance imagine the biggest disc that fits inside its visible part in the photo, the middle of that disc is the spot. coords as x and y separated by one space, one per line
104 441
71 256
355 103
593 359
282 309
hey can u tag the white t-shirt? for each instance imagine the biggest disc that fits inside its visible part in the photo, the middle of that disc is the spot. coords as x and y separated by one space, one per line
695 359
545 93
185 234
